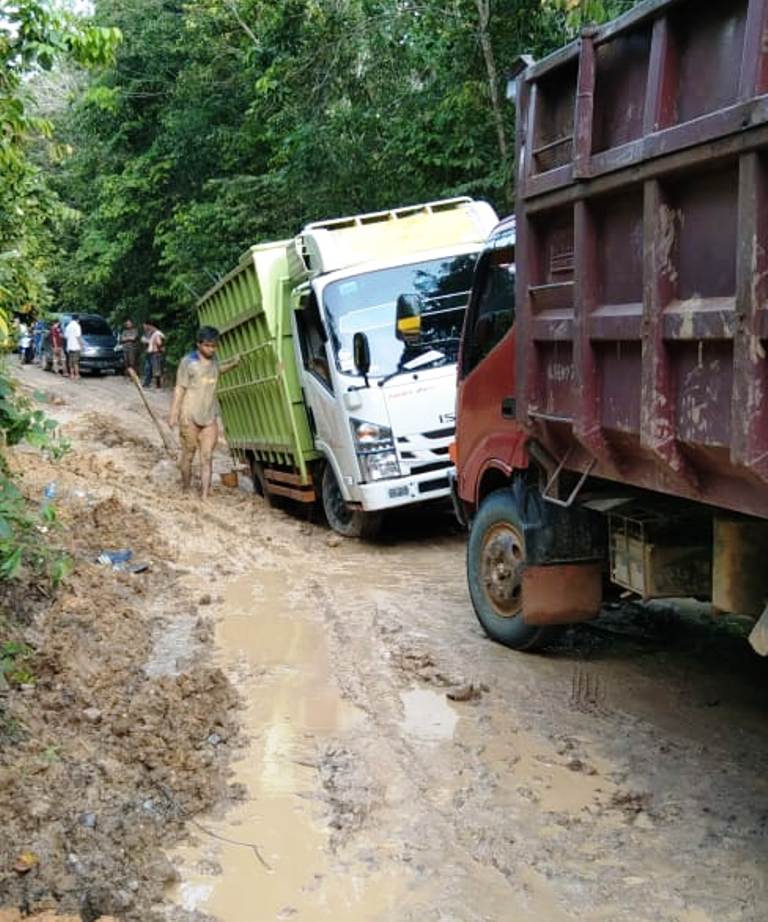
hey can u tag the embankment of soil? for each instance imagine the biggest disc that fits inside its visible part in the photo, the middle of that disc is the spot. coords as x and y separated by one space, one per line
101 763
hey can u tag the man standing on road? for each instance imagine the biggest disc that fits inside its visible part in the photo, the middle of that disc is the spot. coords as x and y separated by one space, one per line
129 340
57 348
195 408
39 333
155 341
73 336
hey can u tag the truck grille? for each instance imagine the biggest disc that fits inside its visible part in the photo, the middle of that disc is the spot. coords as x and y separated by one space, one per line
426 451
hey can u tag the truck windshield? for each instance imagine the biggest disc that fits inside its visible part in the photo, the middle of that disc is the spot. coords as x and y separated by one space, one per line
366 304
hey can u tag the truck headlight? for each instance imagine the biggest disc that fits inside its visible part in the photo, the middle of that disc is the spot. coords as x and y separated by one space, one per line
370 436
378 465
376 455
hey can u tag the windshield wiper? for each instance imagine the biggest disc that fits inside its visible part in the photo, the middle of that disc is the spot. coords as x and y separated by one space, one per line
420 361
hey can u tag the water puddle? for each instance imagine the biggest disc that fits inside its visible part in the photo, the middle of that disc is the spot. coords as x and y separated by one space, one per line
427 716
268 858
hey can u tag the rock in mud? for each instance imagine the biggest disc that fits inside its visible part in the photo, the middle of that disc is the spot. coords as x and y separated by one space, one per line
468 691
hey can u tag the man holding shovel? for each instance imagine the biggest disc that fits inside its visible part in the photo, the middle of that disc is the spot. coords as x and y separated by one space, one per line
194 406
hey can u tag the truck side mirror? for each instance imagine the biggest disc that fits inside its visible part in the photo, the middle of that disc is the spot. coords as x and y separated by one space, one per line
361 351
408 322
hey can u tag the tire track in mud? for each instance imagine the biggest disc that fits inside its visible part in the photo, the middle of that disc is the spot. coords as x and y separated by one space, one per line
537 807
430 830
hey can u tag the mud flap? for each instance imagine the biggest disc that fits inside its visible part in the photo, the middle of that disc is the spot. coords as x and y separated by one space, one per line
458 506
562 593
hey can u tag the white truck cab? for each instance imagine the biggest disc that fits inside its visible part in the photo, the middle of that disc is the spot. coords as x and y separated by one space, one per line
379 307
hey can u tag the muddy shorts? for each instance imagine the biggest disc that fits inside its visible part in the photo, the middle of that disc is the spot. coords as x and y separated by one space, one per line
73 357
189 433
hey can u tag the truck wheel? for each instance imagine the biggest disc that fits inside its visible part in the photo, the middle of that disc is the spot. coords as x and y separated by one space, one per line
259 480
495 561
351 523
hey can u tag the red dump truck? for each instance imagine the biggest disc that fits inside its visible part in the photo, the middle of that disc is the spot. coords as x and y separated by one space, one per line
613 382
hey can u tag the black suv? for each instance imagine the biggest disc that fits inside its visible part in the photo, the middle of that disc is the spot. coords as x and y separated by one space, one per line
100 348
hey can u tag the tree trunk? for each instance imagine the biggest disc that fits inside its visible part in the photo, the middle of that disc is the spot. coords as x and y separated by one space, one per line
484 17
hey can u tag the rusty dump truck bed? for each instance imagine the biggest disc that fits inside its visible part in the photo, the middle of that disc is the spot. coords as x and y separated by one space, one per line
642 251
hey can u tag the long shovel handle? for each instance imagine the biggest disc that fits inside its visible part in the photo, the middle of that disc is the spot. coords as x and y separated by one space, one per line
168 442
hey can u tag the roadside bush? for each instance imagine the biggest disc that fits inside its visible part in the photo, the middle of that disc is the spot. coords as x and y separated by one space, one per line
23 525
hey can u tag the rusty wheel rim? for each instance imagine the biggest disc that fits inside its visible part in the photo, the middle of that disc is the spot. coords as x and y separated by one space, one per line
501 567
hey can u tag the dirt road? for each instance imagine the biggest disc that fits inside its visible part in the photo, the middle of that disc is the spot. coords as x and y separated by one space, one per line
621 776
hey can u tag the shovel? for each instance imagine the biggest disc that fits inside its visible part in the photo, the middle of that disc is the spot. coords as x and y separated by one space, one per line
168 442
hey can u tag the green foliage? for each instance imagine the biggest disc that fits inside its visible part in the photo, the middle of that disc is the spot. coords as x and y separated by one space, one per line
21 527
34 34
14 657
579 13
228 122
224 123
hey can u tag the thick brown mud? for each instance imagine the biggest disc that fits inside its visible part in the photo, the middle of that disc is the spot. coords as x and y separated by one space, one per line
386 761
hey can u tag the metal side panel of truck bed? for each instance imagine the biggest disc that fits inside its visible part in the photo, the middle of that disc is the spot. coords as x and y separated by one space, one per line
261 400
642 252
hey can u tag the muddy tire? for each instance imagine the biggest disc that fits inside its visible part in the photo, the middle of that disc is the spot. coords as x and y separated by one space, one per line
260 485
495 562
351 523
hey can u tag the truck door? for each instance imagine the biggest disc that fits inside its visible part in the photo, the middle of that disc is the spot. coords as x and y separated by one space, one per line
486 369
317 379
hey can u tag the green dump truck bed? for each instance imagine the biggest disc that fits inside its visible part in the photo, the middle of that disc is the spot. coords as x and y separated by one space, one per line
261 400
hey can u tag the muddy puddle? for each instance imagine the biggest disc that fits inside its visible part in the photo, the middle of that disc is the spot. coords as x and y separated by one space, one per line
427 715
277 854
268 857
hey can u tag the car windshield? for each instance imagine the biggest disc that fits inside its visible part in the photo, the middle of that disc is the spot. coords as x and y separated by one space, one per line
95 326
366 304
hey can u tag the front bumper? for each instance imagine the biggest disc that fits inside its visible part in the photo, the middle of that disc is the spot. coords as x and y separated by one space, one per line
403 491
101 362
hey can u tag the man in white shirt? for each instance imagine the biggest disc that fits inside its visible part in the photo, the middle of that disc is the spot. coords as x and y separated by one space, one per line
73 337
155 342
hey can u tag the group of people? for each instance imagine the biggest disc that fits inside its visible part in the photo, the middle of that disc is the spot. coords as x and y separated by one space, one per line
153 341
194 408
66 344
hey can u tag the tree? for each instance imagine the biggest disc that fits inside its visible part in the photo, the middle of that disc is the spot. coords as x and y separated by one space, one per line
234 121
33 36
582 12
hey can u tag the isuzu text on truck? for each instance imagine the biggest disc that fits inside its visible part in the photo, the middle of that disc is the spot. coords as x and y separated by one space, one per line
349 336
613 417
